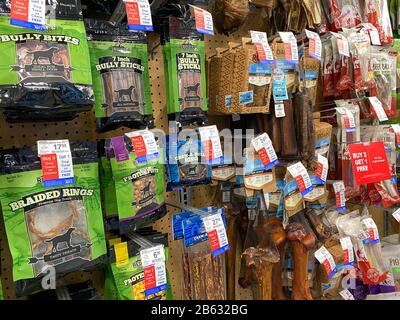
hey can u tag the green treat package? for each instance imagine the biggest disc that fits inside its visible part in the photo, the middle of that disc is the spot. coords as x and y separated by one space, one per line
120 73
139 185
1 291
110 289
129 275
60 227
184 60
45 75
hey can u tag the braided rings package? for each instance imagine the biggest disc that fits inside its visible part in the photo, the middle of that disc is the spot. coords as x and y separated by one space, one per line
60 228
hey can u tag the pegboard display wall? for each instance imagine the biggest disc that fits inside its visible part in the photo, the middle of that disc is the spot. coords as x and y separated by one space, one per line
84 128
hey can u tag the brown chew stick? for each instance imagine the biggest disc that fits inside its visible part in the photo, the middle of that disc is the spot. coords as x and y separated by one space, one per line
288 133
301 242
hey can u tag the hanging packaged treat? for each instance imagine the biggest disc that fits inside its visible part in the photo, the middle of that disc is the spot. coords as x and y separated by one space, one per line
256 176
185 74
345 14
120 76
128 273
323 136
54 227
138 172
251 81
309 73
376 12
224 170
45 75
187 163
328 65
292 197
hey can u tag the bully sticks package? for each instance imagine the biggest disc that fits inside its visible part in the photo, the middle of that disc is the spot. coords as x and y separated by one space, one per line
51 227
185 73
139 185
45 75
127 271
120 76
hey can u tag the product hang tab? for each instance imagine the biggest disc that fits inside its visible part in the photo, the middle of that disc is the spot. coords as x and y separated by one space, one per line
315 44
56 159
299 172
204 20
138 13
264 51
144 145
342 44
340 196
265 149
290 45
211 144
29 14
216 230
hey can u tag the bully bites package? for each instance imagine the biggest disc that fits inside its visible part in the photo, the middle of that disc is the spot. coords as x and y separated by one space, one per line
128 274
120 76
185 74
139 185
59 227
45 74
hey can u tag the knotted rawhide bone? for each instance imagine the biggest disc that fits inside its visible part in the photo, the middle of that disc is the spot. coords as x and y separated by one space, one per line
279 238
302 242
288 132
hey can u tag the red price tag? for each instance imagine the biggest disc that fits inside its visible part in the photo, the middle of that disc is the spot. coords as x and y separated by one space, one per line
49 166
369 162
20 10
132 12
150 277
208 149
139 145
260 52
288 51
214 240
199 17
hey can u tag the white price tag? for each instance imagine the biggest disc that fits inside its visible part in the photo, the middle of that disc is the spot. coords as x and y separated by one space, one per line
343 44
138 13
280 109
346 294
370 226
28 14
377 105
396 129
56 160
204 21
265 150
144 145
216 231
373 34
226 196
211 143
315 44
155 275
349 121
340 196
266 200
299 172
325 258
291 51
396 215
348 252
322 169
264 52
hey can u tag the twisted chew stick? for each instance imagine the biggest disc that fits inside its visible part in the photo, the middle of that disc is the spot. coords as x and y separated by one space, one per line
301 242
231 224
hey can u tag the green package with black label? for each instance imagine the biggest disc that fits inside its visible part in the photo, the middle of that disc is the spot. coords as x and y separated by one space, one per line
51 231
120 74
45 75
128 274
139 185
185 76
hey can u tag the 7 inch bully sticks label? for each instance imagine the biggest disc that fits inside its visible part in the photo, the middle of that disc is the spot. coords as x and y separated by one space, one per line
56 227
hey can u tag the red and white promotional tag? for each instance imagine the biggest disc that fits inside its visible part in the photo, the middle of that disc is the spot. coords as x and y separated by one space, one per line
348 252
291 50
204 21
380 112
373 34
266 151
315 44
144 145
138 13
216 231
396 129
155 275
211 143
346 294
56 160
369 162
349 121
322 169
340 196
396 215
372 229
28 14
299 172
325 258
264 52
343 44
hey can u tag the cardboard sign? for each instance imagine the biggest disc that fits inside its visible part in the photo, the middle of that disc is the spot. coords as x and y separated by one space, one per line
369 162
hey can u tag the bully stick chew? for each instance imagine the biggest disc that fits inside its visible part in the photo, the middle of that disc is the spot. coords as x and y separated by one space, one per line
231 224
301 242
287 125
